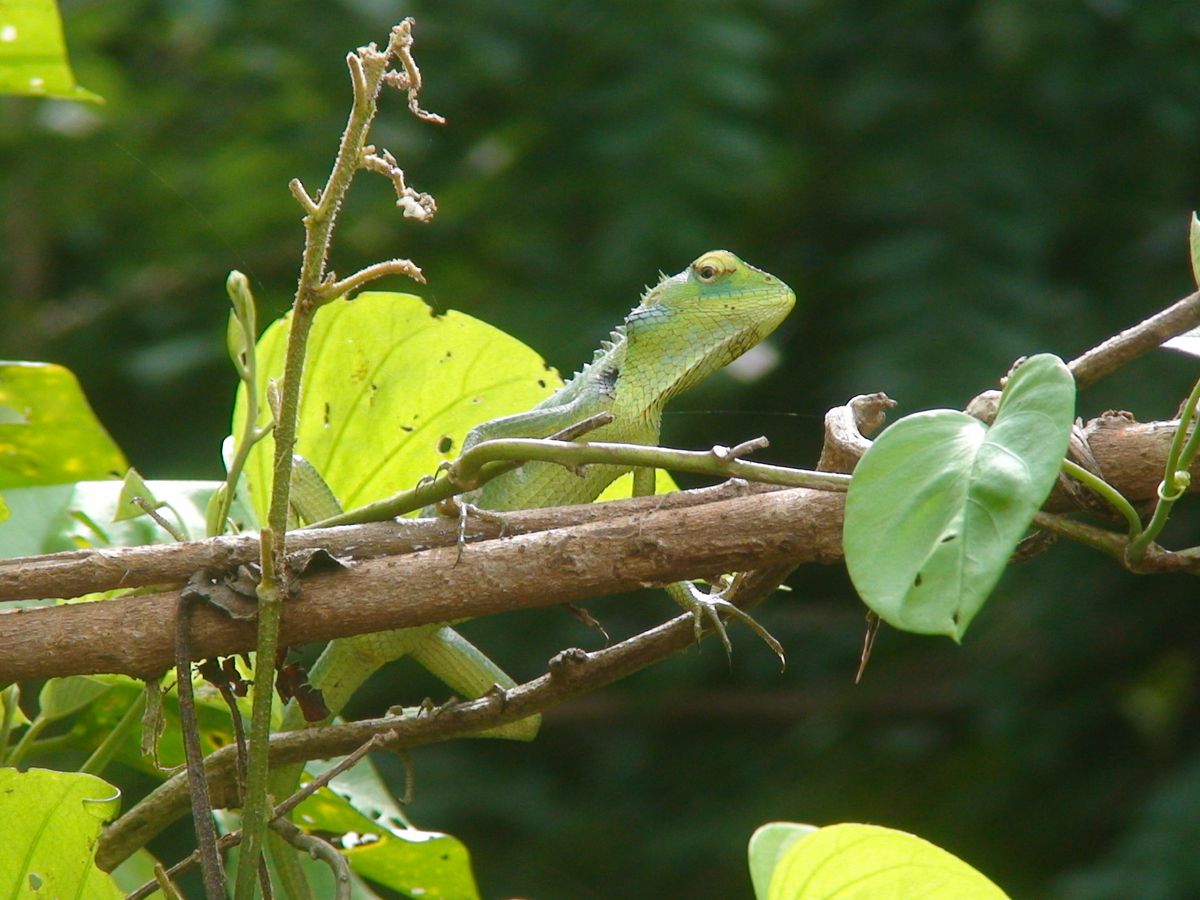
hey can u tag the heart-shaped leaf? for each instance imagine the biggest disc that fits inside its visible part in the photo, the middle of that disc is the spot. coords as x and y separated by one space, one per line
939 502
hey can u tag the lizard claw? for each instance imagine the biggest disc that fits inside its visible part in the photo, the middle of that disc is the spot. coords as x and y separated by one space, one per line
706 605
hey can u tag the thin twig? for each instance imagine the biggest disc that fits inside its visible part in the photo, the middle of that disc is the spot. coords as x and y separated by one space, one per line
570 673
202 811
233 838
151 510
1108 356
317 849
372 272
368 68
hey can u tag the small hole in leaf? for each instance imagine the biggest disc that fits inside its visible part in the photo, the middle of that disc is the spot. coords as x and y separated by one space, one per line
948 538
446 444
35 881
406 428
541 382
917 580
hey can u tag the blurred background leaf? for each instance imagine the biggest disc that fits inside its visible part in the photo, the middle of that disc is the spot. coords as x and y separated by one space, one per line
946 186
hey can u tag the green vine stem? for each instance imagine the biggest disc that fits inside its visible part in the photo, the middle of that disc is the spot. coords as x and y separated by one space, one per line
488 459
1176 477
316 286
1114 497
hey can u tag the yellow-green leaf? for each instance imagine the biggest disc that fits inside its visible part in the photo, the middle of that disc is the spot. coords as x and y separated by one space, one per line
50 434
33 54
865 862
52 821
389 392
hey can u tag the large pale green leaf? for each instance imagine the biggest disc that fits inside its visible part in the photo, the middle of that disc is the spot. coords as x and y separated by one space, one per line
389 391
52 821
48 432
33 54
939 502
867 862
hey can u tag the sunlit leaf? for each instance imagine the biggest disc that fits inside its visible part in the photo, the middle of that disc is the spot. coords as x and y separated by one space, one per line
33 54
390 390
51 435
939 502
767 846
70 516
52 821
866 862
134 486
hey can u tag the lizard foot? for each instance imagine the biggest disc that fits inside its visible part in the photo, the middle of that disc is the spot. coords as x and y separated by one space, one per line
706 608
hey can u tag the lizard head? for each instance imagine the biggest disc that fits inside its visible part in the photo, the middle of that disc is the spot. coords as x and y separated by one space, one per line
694 323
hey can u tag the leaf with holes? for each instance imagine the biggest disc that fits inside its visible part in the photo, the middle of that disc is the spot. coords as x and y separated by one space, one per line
52 822
389 392
359 815
939 502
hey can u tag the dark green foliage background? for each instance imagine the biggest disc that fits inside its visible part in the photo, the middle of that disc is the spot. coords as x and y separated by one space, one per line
947 185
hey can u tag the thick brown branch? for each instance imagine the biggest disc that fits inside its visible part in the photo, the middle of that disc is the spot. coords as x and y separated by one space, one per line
77 572
132 635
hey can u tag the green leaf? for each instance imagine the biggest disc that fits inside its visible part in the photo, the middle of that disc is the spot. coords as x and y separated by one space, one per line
98 720
58 439
1194 247
33 54
62 696
767 845
382 847
52 821
71 516
864 862
134 486
939 502
389 392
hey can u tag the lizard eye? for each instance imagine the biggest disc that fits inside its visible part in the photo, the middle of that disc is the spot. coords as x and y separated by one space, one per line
707 273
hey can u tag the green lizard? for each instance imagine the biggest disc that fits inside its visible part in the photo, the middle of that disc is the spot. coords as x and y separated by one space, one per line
685 328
